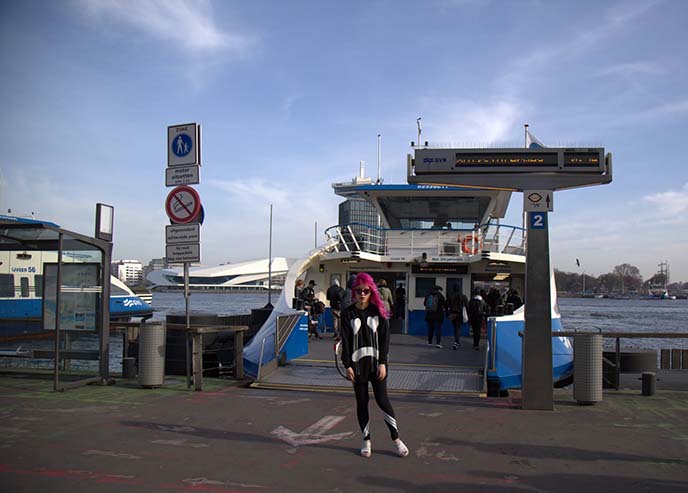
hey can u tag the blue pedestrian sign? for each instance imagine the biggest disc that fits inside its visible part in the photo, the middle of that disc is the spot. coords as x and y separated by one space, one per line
183 145
538 220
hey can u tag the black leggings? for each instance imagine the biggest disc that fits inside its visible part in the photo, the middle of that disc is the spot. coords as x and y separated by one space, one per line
380 391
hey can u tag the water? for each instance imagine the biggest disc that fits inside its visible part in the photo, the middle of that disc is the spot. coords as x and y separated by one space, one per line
628 316
219 303
576 313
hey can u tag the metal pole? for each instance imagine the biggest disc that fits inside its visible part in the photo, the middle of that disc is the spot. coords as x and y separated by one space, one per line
379 157
105 316
186 295
525 135
270 261
58 282
419 130
316 235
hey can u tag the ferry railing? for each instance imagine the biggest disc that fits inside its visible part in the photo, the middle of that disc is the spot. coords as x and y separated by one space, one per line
446 243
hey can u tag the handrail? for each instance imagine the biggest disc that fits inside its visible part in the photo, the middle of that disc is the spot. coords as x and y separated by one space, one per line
359 237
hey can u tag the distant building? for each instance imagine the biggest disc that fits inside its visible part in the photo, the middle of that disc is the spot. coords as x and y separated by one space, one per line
244 276
154 264
130 272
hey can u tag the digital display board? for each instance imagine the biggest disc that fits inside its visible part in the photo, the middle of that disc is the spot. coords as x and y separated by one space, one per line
562 160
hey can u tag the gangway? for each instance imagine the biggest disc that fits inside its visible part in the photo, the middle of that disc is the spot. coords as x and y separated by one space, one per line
414 367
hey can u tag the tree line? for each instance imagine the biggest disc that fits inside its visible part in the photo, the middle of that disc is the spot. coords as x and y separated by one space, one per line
624 279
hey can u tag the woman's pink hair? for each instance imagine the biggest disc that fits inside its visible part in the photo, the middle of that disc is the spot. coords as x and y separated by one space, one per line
363 279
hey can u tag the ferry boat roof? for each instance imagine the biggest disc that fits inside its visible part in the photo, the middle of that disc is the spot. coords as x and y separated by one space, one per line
401 206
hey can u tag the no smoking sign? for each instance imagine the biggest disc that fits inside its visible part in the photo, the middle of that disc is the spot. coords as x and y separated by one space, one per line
183 205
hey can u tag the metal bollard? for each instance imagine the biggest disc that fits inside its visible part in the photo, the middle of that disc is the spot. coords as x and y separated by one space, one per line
649 385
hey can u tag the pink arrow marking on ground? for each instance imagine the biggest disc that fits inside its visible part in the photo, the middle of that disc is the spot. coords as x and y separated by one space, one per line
315 433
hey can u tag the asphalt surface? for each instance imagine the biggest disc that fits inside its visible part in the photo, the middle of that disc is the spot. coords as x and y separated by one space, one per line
229 438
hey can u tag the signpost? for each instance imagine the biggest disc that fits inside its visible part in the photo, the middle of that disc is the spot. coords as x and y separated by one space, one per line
537 173
183 204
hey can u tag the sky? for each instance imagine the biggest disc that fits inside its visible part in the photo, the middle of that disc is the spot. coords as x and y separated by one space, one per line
292 95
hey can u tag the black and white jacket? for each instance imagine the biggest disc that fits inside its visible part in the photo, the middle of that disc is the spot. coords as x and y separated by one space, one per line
365 341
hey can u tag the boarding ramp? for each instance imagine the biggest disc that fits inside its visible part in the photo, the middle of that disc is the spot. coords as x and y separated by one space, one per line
414 367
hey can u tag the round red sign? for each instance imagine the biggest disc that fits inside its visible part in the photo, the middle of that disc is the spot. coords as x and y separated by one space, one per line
183 205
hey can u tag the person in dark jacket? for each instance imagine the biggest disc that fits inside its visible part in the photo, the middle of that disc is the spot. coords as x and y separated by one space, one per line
334 295
478 311
309 301
435 305
365 353
514 299
457 303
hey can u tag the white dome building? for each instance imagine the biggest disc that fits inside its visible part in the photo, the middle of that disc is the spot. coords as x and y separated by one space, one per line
251 275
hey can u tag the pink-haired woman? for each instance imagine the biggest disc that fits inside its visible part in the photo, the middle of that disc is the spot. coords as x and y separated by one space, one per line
365 350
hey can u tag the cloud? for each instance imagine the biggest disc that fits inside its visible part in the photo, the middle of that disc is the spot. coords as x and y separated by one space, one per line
188 24
477 122
670 204
632 69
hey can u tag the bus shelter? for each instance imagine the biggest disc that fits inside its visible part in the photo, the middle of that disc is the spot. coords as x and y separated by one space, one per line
72 273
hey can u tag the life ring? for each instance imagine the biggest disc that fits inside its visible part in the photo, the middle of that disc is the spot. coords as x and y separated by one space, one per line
466 245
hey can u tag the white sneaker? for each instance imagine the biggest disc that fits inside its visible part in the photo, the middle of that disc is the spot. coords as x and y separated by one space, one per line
366 448
438 346
402 449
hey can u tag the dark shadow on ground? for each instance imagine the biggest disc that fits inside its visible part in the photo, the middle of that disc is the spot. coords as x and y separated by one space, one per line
532 451
486 481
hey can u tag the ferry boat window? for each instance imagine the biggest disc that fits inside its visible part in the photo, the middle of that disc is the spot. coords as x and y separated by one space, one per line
24 287
424 285
38 283
7 285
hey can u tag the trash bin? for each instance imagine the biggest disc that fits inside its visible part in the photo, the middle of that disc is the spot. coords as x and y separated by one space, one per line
152 354
587 368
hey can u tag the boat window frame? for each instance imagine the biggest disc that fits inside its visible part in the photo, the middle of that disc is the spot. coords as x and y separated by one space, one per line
7 290
24 287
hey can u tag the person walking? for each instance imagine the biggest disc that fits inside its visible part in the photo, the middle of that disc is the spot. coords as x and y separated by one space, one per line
385 295
457 308
334 295
308 297
400 303
435 306
348 298
365 353
514 299
477 314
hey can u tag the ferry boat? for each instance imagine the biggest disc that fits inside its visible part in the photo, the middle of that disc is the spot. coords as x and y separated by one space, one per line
416 237
21 289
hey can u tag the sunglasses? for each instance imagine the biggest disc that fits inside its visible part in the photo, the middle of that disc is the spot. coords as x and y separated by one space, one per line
363 291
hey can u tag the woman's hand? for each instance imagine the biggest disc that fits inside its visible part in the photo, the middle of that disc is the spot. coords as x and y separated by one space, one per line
381 371
350 374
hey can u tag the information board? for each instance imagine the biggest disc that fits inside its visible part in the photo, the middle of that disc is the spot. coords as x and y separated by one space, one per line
79 296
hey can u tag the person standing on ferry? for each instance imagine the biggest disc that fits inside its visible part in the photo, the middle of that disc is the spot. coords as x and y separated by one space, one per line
365 351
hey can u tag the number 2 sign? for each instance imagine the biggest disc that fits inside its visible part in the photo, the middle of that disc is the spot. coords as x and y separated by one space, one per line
538 220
